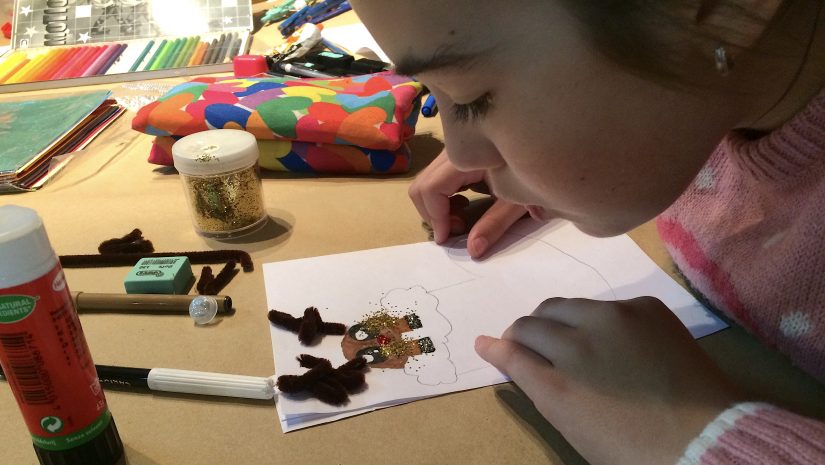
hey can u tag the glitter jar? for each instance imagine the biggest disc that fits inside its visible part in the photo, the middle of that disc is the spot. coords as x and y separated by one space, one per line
219 170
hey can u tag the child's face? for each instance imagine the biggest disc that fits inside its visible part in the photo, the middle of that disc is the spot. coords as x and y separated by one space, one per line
565 132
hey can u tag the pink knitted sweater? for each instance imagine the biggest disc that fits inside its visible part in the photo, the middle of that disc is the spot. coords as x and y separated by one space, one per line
749 235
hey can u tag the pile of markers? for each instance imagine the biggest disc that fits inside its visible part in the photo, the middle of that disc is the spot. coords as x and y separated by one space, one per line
60 63
53 63
189 51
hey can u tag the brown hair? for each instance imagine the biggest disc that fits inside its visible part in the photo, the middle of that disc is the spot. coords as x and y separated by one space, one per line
664 38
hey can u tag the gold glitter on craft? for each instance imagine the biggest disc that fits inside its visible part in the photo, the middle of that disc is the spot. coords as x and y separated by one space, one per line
398 349
373 323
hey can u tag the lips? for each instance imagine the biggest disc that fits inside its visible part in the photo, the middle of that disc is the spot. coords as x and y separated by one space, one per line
535 211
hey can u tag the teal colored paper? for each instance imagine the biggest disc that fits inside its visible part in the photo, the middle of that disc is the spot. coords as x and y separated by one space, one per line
27 128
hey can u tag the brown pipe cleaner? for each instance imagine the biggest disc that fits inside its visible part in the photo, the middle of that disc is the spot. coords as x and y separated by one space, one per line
213 285
325 383
206 277
132 242
128 259
308 326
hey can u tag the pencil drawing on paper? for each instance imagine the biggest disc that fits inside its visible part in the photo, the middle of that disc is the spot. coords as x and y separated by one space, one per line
457 253
407 332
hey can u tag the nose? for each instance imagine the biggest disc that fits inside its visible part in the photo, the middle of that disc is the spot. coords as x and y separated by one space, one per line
468 148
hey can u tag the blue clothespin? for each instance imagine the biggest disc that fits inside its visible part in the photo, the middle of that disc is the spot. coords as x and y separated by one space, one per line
289 25
306 14
343 7
429 108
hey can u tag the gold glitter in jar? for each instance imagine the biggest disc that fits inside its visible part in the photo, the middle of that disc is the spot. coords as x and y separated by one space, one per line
225 202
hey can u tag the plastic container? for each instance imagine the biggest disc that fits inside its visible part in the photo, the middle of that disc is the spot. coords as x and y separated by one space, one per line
43 351
219 170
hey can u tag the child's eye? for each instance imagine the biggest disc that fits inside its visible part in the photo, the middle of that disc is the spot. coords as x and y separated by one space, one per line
465 112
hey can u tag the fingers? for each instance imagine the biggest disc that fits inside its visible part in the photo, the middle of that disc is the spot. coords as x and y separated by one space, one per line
458 217
491 226
571 312
549 338
431 192
534 374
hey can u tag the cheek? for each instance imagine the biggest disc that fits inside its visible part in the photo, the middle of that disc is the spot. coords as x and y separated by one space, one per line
538 169
469 147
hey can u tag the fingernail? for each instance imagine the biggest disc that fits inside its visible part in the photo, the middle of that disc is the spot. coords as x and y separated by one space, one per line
477 247
483 342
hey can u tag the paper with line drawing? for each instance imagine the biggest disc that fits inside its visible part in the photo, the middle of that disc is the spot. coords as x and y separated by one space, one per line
440 300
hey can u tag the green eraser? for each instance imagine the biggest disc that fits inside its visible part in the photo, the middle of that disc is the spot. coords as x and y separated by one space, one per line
161 275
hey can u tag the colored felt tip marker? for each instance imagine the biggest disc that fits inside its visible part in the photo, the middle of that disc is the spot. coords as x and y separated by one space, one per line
185 381
302 71
142 56
155 55
429 109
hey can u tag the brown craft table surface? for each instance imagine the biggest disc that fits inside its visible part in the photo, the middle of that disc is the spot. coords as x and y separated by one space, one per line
109 189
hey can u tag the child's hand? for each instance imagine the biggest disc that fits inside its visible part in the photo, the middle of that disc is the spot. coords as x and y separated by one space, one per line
624 382
433 191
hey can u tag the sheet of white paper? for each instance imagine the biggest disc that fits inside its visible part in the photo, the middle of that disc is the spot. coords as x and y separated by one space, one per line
456 299
356 39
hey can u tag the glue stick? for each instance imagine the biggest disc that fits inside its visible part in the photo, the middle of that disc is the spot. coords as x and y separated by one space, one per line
43 351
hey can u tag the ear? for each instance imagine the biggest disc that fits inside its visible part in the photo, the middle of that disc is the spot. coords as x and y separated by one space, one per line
738 23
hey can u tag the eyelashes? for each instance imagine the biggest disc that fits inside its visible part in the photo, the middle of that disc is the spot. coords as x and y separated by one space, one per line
478 108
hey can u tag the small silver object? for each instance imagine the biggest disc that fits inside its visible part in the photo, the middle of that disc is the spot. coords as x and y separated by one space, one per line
722 61
203 309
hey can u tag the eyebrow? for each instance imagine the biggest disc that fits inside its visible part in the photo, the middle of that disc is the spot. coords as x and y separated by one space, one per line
443 57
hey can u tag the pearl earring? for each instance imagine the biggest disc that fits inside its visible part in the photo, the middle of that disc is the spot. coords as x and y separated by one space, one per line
722 61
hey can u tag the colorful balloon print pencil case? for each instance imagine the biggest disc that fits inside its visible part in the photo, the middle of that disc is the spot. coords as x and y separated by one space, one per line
309 157
374 111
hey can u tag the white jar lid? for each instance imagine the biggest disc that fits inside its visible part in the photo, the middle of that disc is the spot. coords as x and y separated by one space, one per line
215 151
24 246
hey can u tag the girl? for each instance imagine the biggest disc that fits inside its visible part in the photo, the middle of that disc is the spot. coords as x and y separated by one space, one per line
607 114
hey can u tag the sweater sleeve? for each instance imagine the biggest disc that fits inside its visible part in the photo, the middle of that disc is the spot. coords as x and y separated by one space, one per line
756 433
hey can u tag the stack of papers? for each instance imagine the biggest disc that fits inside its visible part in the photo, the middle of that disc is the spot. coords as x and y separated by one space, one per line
456 299
36 136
